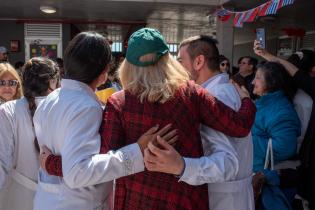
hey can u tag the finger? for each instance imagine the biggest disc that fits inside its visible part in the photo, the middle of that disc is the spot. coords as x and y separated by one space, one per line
169 135
164 130
155 151
173 140
152 130
150 157
150 166
163 143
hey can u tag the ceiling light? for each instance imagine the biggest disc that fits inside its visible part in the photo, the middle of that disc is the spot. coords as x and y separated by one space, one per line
48 9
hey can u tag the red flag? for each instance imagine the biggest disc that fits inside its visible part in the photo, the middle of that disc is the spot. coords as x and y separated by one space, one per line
224 18
263 9
224 15
253 15
280 4
237 16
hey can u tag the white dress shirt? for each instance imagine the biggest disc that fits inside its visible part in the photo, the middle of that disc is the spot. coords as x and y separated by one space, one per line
68 123
227 164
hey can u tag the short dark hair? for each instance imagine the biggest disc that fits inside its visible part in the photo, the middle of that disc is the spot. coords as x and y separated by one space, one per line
86 56
303 59
251 61
277 78
223 58
203 45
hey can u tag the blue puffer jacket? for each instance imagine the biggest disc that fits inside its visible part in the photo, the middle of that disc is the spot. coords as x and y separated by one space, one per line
276 119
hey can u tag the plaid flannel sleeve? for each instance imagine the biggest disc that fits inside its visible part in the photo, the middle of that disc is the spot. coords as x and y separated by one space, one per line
112 133
220 117
53 165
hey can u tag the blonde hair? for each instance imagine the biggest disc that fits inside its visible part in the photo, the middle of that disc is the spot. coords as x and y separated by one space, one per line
6 68
154 83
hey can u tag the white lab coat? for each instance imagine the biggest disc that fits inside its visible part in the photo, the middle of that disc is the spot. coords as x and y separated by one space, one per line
227 164
68 123
18 156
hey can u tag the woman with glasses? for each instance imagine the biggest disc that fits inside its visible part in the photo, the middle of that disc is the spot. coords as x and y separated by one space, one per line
224 64
10 83
18 145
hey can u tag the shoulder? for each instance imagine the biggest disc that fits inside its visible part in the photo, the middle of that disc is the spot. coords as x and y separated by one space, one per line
228 95
282 110
13 106
118 99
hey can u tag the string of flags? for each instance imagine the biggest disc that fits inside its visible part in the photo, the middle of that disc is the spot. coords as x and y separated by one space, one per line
269 8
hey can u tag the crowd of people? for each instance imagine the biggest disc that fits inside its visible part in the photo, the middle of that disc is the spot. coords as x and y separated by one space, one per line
189 133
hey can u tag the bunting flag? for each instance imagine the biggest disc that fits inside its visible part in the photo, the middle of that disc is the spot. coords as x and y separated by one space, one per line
263 9
253 15
269 8
273 7
223 15
236 18
287 2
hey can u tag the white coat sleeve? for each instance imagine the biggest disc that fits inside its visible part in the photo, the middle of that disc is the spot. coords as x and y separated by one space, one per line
6 145
220 165
82 165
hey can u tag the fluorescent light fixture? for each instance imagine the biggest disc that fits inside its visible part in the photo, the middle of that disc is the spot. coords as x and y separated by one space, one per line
48 9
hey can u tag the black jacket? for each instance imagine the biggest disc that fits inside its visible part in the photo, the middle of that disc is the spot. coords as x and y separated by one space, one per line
307 151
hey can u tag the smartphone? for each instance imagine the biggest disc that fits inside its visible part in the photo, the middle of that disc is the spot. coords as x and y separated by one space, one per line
261 37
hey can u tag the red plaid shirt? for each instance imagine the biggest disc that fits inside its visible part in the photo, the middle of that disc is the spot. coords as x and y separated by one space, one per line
126 119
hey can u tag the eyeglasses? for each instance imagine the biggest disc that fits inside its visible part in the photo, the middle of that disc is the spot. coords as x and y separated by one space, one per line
9 83
224 64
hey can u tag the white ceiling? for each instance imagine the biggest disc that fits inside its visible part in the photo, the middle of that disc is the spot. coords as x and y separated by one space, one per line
177 19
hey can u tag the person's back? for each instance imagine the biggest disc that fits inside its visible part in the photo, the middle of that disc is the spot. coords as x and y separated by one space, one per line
52 116
136 117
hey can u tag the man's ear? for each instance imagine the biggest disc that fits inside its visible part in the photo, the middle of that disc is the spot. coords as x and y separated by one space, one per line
199 62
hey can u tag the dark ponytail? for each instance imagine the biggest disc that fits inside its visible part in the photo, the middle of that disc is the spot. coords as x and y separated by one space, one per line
37 73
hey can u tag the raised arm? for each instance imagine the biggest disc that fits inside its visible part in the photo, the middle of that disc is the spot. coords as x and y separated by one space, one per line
301 79
291 69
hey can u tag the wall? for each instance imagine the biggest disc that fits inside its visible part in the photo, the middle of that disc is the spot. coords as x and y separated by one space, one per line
66 36
10 30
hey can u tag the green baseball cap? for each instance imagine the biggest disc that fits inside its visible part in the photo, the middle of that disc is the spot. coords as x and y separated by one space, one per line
145 41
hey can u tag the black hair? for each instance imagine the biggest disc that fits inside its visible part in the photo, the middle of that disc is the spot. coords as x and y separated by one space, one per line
18 64
203 45
277 78
37 73
251 61
303 59
223 58
86 57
